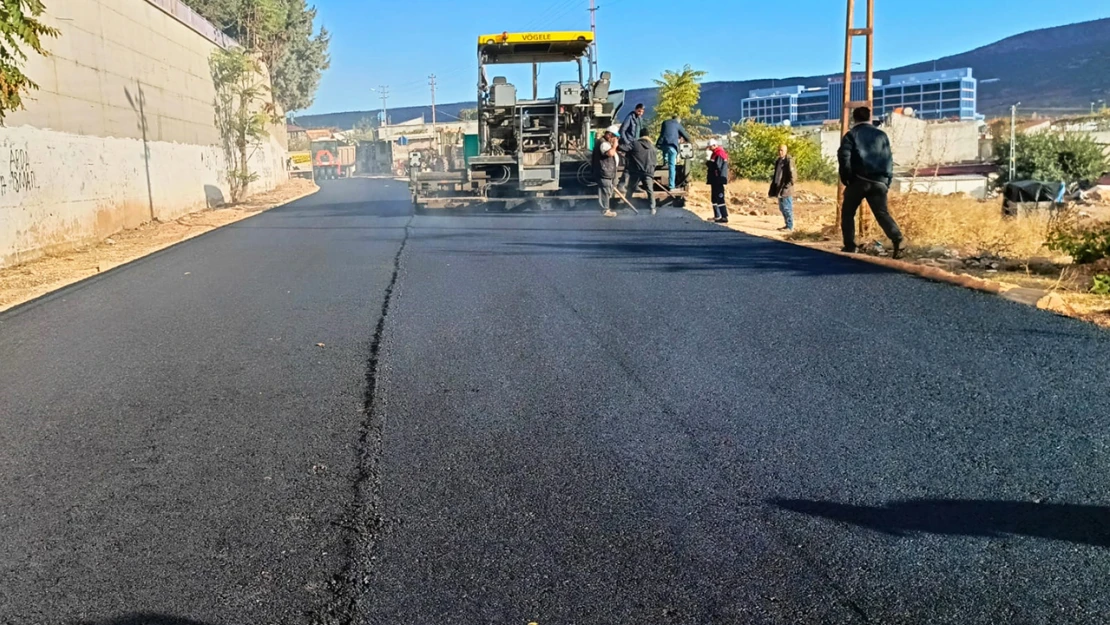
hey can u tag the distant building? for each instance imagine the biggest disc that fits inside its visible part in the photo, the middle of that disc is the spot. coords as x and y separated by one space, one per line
772 106
947 94
859 93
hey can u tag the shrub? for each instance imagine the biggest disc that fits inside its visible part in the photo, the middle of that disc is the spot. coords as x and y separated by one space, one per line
1052 157
754 148
1084 243
1101 284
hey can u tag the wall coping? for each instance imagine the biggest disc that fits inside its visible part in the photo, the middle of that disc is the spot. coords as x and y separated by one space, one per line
187 16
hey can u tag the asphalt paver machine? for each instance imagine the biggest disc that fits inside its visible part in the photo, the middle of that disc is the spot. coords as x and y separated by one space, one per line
532 152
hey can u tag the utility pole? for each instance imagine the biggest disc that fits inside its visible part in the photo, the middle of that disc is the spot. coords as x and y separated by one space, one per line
383 93
435 134
593 29
869 96
1013 139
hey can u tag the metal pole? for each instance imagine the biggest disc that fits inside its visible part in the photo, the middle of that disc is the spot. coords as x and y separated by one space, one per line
535 81
869 90
847 96
1013 139
593 29
435 133
384 91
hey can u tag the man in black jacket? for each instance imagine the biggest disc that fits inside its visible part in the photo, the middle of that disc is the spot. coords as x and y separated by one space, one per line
866 169
641 167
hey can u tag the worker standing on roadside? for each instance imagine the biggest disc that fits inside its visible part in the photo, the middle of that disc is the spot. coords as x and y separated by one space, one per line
669 136
605 170
641 168
782 186
717 176
629 134
866 170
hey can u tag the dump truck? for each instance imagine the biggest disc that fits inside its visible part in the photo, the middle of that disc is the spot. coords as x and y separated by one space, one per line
300 164
532 152
332 158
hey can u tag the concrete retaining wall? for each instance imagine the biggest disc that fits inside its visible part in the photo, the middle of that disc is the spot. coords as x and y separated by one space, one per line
121 131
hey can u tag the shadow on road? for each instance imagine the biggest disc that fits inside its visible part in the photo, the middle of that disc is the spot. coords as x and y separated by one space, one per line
143 618
701 253
1087 525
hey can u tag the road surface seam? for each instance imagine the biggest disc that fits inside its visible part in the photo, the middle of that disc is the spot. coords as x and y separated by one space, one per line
364 518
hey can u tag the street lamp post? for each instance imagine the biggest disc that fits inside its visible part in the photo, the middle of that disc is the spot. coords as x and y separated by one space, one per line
1013 139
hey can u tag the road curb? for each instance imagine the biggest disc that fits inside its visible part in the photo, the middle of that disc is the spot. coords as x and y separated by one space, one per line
1037 298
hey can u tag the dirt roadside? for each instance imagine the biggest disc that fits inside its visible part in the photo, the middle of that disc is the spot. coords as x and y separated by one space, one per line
27 281
1021 285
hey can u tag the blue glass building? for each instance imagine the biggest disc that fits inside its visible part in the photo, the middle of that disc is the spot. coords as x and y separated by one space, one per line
946 94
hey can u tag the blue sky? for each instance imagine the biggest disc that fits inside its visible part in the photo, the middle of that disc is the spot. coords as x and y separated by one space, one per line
399 43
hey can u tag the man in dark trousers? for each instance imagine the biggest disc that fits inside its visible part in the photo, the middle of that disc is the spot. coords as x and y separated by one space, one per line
866 169
641 167
782 186
669 136
629 133
717 176
605 170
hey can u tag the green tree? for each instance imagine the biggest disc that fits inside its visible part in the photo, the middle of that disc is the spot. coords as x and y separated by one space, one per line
19 28
679 94
240 113
1052 157
468 114
754 147
281 32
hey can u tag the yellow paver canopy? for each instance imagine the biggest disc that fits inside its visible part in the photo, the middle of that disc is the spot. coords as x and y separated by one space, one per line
534 47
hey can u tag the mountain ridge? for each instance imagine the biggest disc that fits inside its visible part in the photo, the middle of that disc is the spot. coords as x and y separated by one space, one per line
1049 70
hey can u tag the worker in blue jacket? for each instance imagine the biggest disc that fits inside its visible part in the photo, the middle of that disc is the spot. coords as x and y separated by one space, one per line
669 136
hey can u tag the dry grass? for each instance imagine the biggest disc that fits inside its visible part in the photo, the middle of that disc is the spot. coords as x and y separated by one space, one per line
968 226
965 225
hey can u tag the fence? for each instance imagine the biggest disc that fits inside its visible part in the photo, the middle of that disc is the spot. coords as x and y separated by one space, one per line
187 16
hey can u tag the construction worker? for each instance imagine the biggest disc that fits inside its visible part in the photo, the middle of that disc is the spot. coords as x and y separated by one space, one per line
641 168
782 186
630 129
629 133
866 169
669 136
717 176
605 170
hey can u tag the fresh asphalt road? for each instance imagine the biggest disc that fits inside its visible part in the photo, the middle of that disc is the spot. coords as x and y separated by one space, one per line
560 419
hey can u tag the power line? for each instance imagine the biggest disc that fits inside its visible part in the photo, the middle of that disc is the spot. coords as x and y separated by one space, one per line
550 14
568 10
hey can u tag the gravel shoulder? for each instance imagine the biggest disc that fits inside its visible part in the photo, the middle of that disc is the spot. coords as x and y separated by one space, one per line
27 281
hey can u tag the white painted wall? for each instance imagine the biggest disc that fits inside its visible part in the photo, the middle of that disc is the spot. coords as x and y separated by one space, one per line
973 186
122 129
917 143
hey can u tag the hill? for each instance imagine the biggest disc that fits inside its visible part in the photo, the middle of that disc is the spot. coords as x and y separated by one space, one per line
1050 70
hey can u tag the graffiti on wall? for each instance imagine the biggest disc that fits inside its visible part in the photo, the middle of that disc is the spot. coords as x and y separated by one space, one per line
19 175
